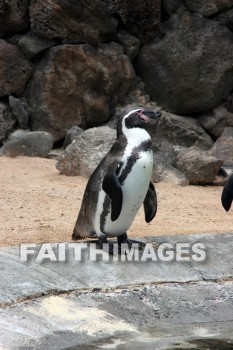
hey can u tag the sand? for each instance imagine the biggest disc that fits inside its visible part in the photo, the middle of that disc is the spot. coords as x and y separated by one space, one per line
40 205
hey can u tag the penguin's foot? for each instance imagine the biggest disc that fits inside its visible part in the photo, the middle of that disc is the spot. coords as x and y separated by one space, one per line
101 241
123 239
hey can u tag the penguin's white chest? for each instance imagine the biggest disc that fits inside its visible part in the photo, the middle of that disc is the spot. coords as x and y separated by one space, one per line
134 188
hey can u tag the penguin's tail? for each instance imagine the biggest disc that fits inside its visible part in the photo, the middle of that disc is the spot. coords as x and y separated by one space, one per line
76 236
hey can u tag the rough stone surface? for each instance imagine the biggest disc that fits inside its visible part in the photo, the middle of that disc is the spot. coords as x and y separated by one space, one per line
130 43
216 121
13 16
33 44
183 131
196 45
200 167
140 17
223 147
171 5
72 21
226 18
78 85
7 121
15 70
71 135
20 111
111 306
208 7
229 103
26 143
165 155
164 172
86 151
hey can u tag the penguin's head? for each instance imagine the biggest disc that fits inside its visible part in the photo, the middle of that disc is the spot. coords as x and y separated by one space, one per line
137 118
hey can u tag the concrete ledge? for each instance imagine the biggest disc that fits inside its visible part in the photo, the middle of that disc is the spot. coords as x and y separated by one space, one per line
117 304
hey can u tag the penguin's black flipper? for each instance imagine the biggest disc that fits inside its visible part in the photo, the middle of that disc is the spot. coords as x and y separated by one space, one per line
227 194
150 203
112 187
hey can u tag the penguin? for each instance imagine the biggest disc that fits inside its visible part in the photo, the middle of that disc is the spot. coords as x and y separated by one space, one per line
227 194
121 183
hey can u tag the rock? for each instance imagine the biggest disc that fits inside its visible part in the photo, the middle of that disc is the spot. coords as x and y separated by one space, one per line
55 153
171 5
219 181
13 17
15 70
215 121
27 143
164 172
32 44
83 155
71 135
140 17
7 121
199 166
73 21
165 155
182 131
229 103
226 19
78 85
223 147
167 67
130 43
20 111
208 7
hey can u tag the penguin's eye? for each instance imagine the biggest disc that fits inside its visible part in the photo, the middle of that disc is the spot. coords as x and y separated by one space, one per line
137 114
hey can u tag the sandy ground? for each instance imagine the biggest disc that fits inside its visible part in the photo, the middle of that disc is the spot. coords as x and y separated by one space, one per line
40 205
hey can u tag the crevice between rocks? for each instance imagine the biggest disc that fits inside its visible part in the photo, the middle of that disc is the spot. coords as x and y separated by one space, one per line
119 289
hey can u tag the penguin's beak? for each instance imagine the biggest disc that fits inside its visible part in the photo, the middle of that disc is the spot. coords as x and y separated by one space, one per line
146 115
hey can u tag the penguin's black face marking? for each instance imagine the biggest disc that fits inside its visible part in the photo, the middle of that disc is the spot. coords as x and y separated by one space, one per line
138 118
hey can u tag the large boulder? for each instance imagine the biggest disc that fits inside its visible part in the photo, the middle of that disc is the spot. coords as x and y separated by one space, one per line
216 120
83 155
165 172
28 143
72 21
71 135
170 6
226 19
182 131
13 16
129 42
78 85
208 7
164 158
7 121
33 44
140 17
20 110
191 68
15 70
223 147
199 166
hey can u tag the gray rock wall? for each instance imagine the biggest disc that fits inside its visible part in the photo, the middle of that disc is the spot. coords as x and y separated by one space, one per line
71 63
